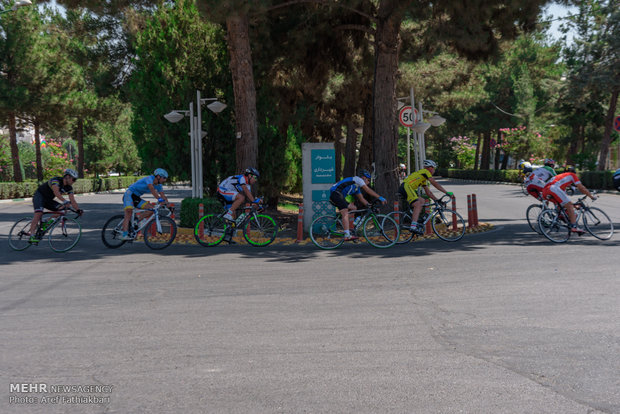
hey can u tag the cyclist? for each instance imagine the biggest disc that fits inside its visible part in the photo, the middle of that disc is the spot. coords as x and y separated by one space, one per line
133 197
409 191
236 189
341 196
555 191
539 177
44 198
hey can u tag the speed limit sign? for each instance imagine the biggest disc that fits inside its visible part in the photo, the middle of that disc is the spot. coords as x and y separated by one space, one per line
405 116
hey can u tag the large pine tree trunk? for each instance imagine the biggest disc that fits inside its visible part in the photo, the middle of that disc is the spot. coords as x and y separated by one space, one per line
244 90
37 148
385 131
339 149
366 155
79 137
17 171
609 120
349 152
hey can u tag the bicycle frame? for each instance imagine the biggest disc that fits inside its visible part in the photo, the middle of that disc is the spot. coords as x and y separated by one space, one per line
155 216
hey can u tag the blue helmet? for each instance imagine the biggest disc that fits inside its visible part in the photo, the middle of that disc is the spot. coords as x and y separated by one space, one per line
252 171
161 172
363 173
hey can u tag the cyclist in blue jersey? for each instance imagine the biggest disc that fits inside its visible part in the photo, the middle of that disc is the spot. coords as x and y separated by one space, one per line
44 198
132 197
342 194
236 189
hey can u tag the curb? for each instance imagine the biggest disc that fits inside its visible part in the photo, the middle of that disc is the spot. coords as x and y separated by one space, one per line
185 236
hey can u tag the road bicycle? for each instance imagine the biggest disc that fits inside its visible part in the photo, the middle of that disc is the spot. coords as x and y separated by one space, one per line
158 230
533 212
447 224
63 232
379 230
258 229
555 225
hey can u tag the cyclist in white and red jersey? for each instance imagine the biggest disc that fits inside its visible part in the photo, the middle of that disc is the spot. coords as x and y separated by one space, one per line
537 180
555 191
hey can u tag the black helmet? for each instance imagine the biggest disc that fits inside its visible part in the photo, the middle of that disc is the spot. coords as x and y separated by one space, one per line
252 171
570 168
549 162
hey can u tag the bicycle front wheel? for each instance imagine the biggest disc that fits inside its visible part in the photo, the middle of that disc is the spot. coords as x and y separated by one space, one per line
18 236
598 223
524 189
210 230
158 239
532 214
381 231
448 225
112 232
65 234
261 230
553 227
326 232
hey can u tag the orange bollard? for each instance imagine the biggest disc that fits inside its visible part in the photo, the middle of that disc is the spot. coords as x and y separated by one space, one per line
396 216
474 209
428 229
469 214
172 209
201 226
454 221
300 224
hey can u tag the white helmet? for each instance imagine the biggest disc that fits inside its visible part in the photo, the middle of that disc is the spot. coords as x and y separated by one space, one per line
430 163
402 166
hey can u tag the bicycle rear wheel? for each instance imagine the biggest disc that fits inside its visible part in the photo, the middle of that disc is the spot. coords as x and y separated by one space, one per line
210 230
598 223
532 213
403 220
260 230
326 232
65 234
158 239
18 237
553 227
443 223
112 232
381 231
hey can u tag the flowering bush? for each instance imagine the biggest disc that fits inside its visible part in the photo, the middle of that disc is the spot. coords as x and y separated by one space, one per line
465 151
523 143
6 165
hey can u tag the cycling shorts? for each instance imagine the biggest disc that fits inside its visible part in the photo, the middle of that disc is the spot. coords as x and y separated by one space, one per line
408 193
227 194
130 200
339 200
535 191
556 194
40 202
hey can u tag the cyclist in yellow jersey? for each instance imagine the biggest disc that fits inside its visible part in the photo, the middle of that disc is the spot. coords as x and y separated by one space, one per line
409 191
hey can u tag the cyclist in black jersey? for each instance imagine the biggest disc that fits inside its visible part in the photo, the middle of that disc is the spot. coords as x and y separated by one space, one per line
44 197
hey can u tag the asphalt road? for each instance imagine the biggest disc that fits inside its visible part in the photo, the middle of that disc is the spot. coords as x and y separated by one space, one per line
500 322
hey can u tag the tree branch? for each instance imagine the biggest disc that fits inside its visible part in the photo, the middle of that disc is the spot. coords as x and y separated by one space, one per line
324 2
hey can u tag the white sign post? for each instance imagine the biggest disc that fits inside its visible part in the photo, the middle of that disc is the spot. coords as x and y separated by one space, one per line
407 118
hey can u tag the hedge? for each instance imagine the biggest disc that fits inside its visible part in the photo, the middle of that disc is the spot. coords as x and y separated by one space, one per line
189 209
596 180
83 185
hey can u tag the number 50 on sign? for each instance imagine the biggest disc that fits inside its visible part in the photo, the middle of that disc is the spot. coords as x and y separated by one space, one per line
405 116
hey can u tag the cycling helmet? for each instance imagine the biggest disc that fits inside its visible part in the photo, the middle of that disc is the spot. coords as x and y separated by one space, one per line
71 172
524 165
430 163
161 172
549 162
363 173
252 171
570 168
402 166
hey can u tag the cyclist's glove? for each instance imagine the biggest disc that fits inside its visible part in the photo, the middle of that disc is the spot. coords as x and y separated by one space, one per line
257 201
382 199
79 211
450 193
160 200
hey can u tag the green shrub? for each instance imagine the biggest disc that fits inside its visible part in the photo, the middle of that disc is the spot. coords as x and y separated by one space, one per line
189 209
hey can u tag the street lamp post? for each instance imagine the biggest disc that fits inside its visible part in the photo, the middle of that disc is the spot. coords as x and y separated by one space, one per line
17 5
196 134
